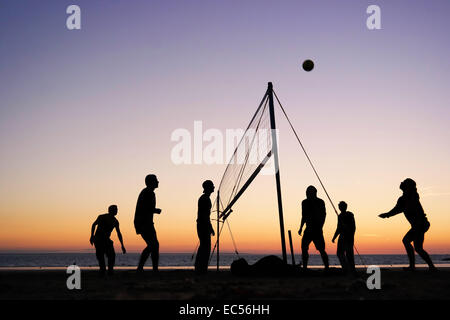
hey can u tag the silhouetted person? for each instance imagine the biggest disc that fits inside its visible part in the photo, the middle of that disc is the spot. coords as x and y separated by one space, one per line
143 222
204 228
313 215
346 231
409 204
101 239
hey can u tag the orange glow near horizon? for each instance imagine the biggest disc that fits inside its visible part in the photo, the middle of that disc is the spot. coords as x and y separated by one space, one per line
255 231
55 218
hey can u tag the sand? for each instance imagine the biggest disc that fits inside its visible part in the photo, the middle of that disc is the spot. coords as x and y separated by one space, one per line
219 286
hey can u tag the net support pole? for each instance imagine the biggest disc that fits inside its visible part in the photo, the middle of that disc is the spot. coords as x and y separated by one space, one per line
292 247
277 168
217 230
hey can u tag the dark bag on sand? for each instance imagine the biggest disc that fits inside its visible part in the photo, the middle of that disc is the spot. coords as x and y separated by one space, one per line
240 267
266 266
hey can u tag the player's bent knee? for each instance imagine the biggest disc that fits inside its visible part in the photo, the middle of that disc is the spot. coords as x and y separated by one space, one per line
419 249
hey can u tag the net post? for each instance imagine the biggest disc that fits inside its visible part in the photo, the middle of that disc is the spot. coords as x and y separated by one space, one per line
292 247
218 226
277 171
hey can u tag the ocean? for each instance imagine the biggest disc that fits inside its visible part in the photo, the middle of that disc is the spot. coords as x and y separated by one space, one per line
186 261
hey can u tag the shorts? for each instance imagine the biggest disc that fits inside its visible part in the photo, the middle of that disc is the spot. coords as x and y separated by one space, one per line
315 237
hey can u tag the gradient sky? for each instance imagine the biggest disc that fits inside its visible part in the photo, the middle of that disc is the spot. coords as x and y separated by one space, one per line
86 114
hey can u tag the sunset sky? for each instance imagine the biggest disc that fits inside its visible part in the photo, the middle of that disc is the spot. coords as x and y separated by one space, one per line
86 114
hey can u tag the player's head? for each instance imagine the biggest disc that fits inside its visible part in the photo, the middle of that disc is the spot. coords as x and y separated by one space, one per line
408 185
342 206
208 186
311 192
151 181
112 209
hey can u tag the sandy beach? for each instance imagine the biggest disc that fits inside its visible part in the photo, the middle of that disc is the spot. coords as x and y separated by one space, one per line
186 285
